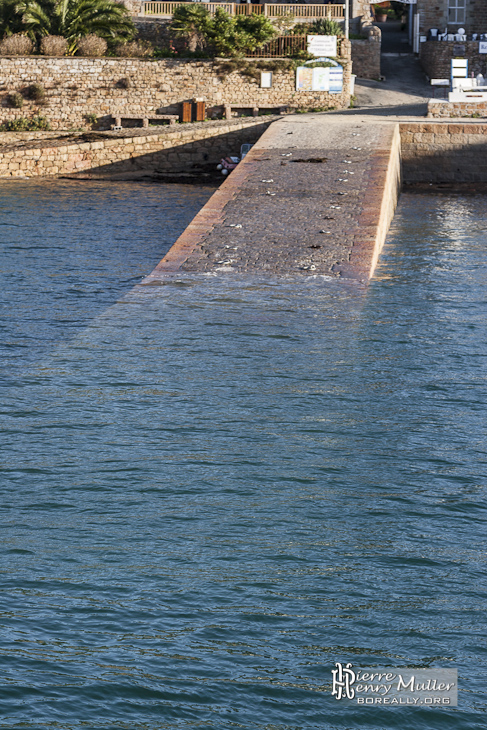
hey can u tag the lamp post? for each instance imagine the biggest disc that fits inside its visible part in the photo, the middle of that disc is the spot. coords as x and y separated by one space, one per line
347 18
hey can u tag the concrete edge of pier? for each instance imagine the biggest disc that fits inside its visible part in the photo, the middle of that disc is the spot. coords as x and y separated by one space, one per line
379 203
206 219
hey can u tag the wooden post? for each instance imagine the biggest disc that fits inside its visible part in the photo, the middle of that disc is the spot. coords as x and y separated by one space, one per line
187 111
200 111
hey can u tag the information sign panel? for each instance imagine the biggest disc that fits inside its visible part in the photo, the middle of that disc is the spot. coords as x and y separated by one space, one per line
322 45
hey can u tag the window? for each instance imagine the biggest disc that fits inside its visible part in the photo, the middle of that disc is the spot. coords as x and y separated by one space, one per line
456 11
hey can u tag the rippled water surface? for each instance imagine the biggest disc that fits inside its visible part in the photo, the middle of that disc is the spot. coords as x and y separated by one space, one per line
214 489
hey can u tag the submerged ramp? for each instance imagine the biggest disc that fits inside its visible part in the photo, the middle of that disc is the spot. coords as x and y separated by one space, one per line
314 196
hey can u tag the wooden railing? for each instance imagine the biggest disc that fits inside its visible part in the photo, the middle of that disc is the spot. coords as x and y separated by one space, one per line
284 45
305 11
247 9
166 9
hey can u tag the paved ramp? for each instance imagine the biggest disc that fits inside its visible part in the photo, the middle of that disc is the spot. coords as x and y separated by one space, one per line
315 197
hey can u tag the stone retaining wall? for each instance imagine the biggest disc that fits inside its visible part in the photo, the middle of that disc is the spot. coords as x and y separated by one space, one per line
436 56
79 87
184 149
444 153
366 53
439 109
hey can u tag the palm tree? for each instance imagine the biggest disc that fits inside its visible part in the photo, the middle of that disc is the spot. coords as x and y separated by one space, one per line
192 23
74 19
10 18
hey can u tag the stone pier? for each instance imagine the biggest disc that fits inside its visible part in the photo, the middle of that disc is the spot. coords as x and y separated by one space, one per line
315 196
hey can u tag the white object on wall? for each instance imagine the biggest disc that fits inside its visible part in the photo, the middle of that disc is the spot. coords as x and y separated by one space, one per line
322 45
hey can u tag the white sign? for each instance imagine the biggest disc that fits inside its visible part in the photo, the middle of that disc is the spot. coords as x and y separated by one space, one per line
266 79
322 45
320 79
336 80
483 47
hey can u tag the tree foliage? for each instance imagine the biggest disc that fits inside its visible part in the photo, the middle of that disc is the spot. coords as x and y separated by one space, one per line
223 34
72 19
191 22
10 18
323 26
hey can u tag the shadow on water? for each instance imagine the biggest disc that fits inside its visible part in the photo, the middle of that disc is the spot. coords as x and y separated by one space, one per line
70 249
221 486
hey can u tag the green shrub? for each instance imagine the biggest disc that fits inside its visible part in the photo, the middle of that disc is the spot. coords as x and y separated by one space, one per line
17 44
124 83
54 45
134 49
36 92
323 26
15 100
92 46
34 124
224 34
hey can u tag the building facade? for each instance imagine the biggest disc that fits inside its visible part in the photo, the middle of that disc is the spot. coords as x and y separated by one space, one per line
451 15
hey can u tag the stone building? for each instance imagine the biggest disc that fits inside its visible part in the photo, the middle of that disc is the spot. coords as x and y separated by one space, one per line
452 15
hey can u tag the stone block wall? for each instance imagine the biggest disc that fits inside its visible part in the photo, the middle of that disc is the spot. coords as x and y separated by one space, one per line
366 53
79 87
435 57
444 153
156 31
439 109
359 13
188 149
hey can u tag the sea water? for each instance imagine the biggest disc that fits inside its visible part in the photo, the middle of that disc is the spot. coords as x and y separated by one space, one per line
215 489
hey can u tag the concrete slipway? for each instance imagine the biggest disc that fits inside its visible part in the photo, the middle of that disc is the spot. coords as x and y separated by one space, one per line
315 196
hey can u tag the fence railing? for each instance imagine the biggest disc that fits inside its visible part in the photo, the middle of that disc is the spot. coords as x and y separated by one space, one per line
166 9
284 45
335 12
247 9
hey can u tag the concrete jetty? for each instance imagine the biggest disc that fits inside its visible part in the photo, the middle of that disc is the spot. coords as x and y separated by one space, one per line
315 196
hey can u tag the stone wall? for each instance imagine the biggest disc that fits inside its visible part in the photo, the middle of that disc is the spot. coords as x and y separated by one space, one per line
435 57
439 109
444 153
79 87
156 31
359 13
366 53
188 149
